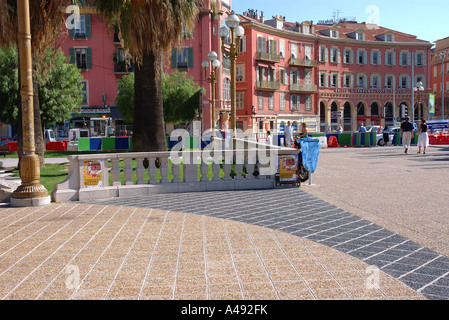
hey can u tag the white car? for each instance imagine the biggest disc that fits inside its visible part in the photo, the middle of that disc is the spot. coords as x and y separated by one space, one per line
391 131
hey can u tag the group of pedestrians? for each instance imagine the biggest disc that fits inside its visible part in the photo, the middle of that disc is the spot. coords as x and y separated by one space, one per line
407 130
288 134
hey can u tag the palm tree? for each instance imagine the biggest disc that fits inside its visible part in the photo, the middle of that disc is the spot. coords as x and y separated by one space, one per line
148 28
46 19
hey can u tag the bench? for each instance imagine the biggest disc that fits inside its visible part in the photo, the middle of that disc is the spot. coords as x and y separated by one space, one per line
5 149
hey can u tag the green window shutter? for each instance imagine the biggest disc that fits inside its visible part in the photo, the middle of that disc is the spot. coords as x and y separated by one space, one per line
72 33
72 55
190 58
88 26
89 58
174 58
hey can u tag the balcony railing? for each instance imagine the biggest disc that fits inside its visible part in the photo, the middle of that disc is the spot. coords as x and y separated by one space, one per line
303 62
268 85
307 88
122 67
271 57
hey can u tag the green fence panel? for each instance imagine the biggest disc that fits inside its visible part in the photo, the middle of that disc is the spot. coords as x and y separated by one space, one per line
108 144
84 144
130 143
345 139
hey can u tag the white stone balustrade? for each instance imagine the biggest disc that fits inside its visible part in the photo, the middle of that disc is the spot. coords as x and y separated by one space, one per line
123 174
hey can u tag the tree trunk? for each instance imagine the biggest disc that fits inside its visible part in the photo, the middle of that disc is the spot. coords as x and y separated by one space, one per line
39 140
149 125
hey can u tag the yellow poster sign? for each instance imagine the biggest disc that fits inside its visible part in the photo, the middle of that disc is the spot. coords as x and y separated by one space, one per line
288 168
92 174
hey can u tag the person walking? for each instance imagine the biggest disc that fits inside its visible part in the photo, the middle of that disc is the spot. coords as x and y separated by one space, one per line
423 138
269 142
288 135
406 134
362 128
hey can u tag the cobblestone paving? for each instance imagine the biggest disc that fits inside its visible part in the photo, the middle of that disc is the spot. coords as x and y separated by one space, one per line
85 251
298 213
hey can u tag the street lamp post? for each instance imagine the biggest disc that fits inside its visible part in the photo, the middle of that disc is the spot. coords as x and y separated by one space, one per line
443 56
419 89
30 192
212 79
232 54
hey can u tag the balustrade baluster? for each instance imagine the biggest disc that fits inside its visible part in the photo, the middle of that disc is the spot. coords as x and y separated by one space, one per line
128 171
152 171
115 173
140 171
164 170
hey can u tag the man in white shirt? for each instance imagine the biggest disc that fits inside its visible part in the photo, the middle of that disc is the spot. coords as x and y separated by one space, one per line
288 134
269 142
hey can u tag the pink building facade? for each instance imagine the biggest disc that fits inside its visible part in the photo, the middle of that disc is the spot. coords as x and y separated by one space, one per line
322 74
440 78
98 54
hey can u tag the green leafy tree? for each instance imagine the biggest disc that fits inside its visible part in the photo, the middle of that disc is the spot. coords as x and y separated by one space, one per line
177 91
59 87
9 85
180 96
60 91
125 98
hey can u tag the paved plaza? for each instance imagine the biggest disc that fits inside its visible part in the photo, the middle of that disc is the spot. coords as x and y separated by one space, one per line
373 224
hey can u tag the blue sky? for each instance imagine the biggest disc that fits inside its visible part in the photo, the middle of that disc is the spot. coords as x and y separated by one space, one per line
426 19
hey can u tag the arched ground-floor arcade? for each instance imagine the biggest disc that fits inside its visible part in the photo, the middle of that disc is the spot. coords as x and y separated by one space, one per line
351 112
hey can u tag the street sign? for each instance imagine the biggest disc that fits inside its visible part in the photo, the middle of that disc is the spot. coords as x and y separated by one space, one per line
337 114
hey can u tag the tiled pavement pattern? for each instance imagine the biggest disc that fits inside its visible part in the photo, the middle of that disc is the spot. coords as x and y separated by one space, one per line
88 251
298 213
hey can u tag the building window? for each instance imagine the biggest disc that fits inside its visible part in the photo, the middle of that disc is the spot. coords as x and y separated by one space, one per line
389 37
334 34
359 36
81 58
347 81
240 103
419 59
84 93
361 56
403 82
80 27
239 73
389 58
334 55
361 81
374 82
405 58
334 80
375 58
305 30
182 59
294 102
260 100
323 79
308 103
282 101
347 56
389 82
227 89
271 101
282 48
323 54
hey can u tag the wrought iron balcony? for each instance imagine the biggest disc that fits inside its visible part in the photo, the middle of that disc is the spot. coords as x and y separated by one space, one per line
122 67
305 88
268 85
303 62
271 57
